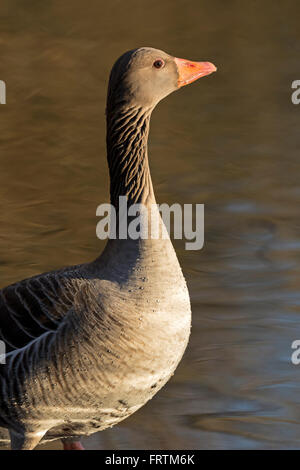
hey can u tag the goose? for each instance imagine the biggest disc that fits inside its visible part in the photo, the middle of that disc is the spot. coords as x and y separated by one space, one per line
88 345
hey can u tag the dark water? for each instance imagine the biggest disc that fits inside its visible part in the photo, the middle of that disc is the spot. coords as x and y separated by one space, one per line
230 141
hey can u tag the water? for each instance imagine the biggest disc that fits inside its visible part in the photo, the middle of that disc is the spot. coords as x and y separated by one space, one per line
230 141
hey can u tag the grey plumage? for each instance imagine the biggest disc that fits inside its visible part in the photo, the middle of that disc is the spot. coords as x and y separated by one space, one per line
90 344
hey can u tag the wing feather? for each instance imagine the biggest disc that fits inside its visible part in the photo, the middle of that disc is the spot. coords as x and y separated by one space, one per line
33 306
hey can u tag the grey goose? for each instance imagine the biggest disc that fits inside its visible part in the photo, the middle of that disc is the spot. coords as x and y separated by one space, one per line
88 345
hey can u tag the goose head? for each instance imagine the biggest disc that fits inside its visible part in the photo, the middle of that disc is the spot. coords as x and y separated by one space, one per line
144 76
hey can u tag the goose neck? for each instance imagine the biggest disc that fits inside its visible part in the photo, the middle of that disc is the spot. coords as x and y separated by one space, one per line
127 154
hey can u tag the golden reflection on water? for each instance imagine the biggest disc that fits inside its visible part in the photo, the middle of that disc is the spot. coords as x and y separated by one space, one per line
230 141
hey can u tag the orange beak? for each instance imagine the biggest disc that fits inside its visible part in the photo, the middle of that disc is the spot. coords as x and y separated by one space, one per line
189 71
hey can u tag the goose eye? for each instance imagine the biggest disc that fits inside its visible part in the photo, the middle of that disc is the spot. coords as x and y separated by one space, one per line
158 64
